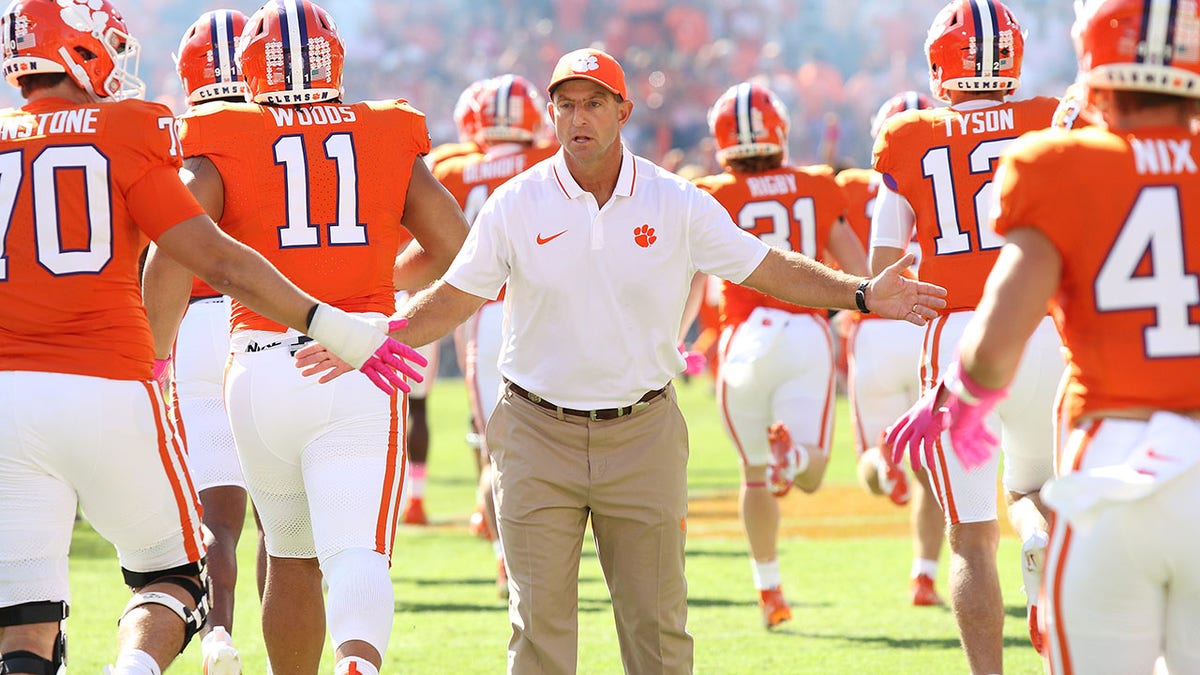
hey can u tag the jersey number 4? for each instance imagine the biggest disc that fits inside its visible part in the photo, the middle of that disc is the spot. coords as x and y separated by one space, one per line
1154 231
300 232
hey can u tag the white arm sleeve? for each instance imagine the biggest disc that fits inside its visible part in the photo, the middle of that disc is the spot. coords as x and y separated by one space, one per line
892 221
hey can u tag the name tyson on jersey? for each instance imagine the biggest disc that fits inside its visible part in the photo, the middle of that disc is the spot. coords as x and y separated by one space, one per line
981 121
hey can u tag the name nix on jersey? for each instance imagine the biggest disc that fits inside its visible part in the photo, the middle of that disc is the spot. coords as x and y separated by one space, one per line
1158 156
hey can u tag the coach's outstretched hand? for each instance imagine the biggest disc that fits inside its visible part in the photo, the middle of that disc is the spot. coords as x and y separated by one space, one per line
893 295
383 365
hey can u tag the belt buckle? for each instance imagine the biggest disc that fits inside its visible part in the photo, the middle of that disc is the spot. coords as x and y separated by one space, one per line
592 415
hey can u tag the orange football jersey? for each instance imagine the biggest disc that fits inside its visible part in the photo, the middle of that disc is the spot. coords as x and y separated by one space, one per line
1124 213
942 161
447 151
318 189
83 187
859 186
472 177
790 208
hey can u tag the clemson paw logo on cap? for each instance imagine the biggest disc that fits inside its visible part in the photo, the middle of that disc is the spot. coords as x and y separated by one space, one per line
644 236
585 63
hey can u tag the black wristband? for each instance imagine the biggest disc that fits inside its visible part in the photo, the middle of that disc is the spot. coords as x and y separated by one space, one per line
860 296
312 314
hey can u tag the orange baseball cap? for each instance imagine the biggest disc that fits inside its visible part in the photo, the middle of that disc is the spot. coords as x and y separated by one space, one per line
590 64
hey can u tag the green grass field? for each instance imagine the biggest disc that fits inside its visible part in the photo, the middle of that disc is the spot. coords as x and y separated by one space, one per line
848 591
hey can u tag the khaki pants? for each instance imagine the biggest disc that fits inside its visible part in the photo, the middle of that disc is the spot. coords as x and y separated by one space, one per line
630 475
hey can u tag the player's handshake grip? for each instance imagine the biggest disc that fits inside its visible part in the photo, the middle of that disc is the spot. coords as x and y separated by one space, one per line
365 345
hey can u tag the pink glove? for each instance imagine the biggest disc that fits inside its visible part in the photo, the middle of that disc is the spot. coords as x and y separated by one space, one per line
393 356
970 404
161 368
694 361
917 431
965 410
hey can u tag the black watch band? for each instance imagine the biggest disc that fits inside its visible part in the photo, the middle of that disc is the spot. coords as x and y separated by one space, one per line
860 296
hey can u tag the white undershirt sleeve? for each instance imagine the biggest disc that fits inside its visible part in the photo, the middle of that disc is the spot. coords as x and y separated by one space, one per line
892 221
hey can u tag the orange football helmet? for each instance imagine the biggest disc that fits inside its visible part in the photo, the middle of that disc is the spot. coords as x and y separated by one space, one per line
748 120
1143 45
974 45
466 111
47 36
510 109
905 100
207 63
290 52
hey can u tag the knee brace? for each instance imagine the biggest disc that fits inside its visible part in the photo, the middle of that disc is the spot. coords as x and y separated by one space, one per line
361 602
28 662
192 577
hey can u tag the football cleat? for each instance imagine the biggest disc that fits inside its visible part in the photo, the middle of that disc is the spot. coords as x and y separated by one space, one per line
478 525
892 480
414 512
1033 560
220 657
775 609
923 592
785 459
501 580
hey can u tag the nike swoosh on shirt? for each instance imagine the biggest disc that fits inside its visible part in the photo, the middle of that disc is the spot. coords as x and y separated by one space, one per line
542 241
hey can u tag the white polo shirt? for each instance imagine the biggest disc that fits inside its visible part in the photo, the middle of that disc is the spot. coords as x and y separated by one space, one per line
595 295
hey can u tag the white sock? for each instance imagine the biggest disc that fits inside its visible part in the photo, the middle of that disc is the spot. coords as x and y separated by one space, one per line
361 667
925 567
136 662
766 575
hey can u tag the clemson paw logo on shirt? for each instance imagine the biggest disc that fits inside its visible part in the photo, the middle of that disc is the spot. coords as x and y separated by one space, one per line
84 15
644 236
585 63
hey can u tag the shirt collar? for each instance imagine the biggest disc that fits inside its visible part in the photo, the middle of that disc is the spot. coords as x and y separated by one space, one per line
625 179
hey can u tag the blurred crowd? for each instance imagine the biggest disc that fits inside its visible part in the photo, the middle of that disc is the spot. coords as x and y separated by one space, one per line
832 62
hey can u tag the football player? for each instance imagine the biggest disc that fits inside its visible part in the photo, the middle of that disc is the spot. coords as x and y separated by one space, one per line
510 114
775 388
466 119
208 71
937 167
882 383
330 192
86 175
1118 262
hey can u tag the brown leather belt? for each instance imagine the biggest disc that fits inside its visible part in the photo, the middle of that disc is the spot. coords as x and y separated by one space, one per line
594 415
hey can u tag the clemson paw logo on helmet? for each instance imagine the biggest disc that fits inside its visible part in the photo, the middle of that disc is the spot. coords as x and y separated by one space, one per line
84 15
644 236
584 64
